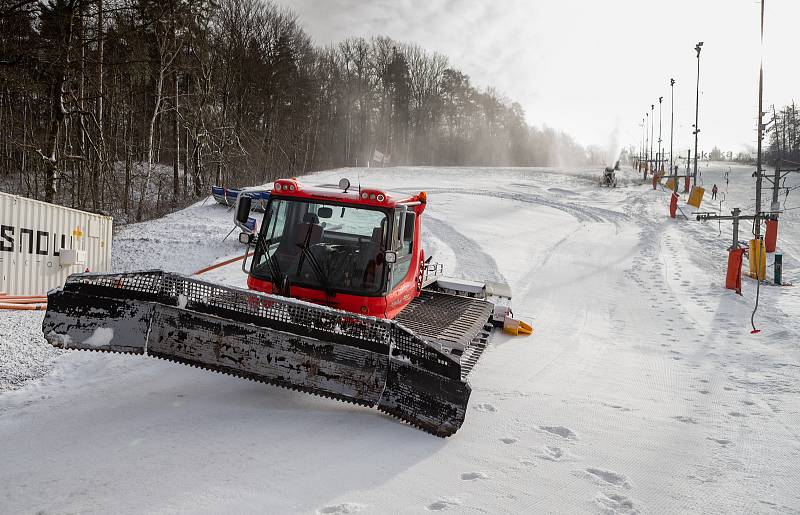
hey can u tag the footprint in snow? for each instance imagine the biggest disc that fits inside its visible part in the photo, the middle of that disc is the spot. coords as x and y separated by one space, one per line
508 441
737 414
563 432
485 407
685 420
615 504
473 476
617 406
607 476
443 504
344 508
722 441
552 453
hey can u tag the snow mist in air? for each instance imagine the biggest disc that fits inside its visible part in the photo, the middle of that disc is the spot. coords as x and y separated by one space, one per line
613 148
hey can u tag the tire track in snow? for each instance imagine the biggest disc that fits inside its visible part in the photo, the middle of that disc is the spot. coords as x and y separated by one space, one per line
471 260
578 211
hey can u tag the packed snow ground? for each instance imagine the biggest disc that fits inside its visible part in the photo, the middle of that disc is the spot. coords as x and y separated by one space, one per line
642 389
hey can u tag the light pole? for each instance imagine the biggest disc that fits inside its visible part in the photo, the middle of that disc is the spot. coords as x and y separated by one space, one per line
671 126
646 144
660 156
652 128
697 47
641 146
760 131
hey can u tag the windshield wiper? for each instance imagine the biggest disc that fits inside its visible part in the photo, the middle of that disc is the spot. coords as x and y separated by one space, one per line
315 266
279 281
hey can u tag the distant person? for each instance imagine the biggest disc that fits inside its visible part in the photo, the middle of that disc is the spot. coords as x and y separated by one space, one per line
714 192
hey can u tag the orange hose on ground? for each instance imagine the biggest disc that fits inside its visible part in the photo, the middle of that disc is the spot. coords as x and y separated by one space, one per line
218 265
23 307
32 300
23 302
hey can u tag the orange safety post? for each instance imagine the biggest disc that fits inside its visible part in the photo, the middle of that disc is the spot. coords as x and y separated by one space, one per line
673 205
771 236
758 260
686 185
655 181
696 196
733 280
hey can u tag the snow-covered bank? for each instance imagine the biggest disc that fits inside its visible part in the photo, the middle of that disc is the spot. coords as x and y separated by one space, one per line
642 389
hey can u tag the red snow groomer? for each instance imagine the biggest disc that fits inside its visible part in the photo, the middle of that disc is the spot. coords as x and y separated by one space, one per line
342 303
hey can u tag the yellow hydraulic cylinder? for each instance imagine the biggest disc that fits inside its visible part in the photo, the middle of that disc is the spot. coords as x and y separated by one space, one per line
696 196
758 259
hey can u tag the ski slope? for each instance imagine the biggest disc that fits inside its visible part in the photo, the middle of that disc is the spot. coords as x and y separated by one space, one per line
641 390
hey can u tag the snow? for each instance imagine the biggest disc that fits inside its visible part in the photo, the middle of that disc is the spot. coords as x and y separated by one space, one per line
101 337
641 389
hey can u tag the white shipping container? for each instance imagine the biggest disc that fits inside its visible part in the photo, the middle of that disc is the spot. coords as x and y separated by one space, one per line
32 237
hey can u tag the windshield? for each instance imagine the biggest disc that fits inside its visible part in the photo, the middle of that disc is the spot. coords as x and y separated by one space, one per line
322 246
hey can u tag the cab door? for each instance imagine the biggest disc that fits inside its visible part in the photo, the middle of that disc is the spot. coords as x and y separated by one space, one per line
402 286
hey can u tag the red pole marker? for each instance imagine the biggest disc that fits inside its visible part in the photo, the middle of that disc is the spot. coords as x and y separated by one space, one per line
673 204
771 236
733 280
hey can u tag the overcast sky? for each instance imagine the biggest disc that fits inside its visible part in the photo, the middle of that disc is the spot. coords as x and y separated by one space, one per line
594 67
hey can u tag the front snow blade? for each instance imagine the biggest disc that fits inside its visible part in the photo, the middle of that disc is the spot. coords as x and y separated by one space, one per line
276 340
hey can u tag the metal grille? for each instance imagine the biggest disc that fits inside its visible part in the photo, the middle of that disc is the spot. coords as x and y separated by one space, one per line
451 320
142 282
185 292
422 347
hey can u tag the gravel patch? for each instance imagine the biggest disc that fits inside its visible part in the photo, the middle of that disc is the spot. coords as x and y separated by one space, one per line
24 353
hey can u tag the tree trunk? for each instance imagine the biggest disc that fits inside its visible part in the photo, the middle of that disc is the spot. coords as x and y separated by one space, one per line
98 168
176 145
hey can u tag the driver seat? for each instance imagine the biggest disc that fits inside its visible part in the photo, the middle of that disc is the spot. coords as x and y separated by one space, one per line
308 228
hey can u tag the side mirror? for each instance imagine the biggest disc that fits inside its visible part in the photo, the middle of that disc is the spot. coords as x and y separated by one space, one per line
243 209
390 256
243 204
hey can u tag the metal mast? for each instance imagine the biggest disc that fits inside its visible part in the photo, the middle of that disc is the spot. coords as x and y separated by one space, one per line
697 47
671 132
760 129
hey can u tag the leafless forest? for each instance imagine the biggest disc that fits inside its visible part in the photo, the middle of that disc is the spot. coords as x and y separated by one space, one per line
105 103
784 137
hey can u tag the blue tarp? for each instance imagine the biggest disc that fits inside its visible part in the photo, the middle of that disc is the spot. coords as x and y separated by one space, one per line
228 196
